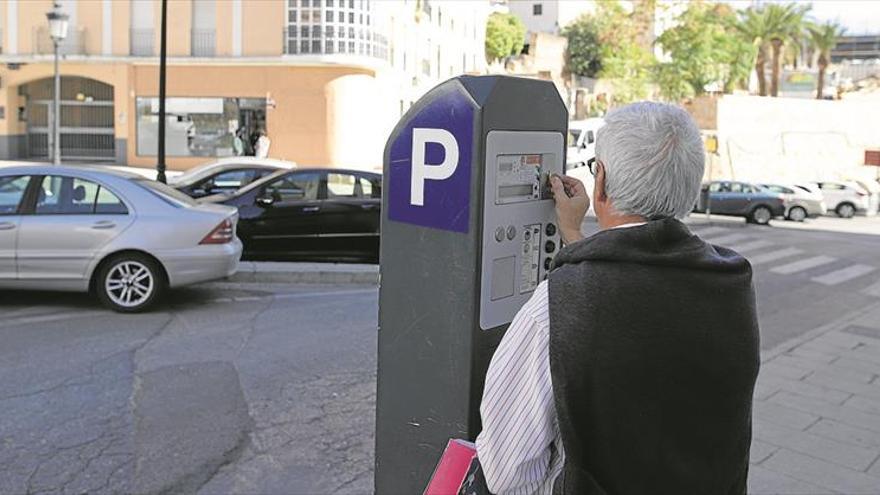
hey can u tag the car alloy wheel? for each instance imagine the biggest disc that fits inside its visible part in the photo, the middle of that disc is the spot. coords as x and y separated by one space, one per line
129 283
797 214
846 210
762 215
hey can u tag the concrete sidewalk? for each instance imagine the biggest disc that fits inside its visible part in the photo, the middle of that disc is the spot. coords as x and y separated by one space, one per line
817 412
267 272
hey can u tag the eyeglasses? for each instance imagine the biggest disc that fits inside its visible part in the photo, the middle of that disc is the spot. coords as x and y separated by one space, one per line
594 167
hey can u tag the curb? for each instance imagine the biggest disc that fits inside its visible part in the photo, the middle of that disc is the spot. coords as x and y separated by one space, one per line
250 272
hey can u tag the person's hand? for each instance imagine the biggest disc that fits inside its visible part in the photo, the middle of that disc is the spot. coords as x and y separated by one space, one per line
572 203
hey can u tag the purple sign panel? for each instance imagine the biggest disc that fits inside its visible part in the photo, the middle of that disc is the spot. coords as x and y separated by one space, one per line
429 176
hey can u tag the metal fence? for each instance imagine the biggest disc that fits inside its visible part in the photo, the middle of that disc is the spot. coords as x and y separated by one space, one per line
204 42
141 42
73 44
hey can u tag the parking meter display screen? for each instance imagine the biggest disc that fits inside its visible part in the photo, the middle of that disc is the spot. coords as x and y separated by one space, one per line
520 178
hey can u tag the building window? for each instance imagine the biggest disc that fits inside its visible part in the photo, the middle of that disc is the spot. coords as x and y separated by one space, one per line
537 9
305 34
201 126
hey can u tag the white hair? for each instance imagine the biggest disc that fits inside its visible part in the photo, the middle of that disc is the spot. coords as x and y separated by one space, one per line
654 160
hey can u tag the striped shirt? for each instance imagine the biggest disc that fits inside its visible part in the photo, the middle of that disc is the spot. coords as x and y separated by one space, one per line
520 447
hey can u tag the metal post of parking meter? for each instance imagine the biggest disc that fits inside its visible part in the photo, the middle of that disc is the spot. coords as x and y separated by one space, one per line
468 232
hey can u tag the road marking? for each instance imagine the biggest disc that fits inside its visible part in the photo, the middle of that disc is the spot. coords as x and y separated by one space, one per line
799 266
727 239
873 290
749 246
844 275
773 256
710 231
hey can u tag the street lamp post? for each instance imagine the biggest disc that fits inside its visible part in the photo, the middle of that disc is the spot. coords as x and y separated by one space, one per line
58 23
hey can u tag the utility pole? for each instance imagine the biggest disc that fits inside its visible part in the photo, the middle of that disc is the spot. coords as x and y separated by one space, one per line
160 165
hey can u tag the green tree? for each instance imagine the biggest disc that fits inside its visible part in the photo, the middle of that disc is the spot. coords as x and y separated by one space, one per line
624 60
784 23
703 48
505 36
753 30
823 39
584 52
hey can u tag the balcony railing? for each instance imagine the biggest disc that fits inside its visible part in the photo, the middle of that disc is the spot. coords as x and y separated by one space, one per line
141 41
73 44
313 40
204 43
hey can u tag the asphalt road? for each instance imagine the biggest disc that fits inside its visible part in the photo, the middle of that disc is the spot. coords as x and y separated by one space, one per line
271 389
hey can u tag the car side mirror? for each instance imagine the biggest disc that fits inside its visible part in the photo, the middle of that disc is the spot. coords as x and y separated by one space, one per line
266 199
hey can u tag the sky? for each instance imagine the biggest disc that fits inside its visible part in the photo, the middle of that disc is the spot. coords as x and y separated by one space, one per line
857 16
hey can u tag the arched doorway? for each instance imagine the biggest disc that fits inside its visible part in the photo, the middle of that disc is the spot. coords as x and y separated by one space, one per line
86 118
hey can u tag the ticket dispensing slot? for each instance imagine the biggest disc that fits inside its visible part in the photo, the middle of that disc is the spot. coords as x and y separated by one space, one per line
520 237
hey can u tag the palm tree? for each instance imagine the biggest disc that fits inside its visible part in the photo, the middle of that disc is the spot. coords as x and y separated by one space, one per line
784 22
752 27
823 38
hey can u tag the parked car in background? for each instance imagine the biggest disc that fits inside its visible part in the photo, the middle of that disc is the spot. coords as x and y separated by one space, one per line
741 199
122 236
873 189
226 175
319 213
582 142
800 203
846 198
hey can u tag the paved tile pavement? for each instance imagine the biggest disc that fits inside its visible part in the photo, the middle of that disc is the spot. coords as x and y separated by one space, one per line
817 411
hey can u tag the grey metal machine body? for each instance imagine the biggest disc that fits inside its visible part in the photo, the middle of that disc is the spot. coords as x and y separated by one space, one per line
468 231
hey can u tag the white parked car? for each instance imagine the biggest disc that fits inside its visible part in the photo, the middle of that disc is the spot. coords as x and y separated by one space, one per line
801 202
122 236
582 142
846 198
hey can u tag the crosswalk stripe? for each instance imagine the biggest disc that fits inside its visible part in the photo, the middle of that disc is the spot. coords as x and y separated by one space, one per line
873 290
727 239
774 255
844 274
750 246
806 264
710 230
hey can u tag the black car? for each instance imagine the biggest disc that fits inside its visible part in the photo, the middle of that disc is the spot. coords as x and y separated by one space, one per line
741 199
319 214
225 176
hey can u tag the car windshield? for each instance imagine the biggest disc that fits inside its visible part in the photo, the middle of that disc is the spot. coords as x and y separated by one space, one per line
166 193
573 135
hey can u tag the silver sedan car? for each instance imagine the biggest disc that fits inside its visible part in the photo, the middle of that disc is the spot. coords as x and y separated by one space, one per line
119 235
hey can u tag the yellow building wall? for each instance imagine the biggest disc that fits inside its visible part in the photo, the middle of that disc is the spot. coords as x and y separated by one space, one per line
301 125
31 15
179 26
262 27
90 15
223 39
121 27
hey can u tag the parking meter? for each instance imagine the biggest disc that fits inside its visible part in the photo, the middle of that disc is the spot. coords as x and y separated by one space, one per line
468 232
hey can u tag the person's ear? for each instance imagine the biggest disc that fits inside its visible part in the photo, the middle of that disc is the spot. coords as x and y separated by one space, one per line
599 190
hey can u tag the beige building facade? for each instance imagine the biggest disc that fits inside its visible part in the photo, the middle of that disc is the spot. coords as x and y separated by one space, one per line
326 80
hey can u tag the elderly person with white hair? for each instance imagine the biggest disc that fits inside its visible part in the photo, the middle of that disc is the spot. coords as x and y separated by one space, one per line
631 369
